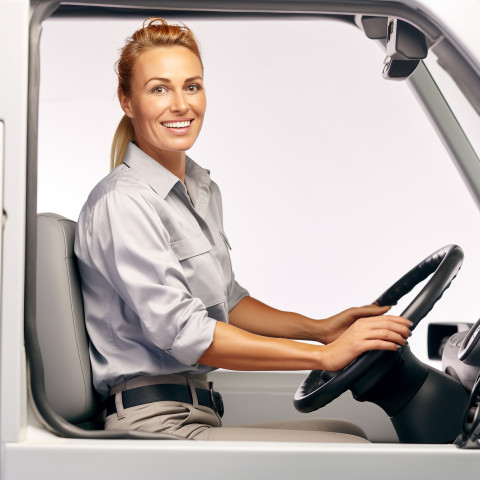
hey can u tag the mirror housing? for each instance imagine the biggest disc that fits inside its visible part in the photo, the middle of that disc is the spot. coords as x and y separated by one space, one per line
406 46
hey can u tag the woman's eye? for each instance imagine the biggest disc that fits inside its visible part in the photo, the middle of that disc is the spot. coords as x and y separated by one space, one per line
193 88
159 90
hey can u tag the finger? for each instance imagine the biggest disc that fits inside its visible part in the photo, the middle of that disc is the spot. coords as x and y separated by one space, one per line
399 320
388 335
394 318
398 325
372 310
388 307
382 345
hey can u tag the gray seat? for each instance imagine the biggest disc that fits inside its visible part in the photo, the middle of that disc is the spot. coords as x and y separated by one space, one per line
61 326
56 339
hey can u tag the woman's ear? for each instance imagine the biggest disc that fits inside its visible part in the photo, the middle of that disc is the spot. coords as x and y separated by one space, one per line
125 103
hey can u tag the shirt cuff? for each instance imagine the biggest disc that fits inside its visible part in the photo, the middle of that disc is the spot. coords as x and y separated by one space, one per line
194 338
236 294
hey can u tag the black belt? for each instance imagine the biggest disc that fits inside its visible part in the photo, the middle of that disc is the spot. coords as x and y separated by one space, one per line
166 393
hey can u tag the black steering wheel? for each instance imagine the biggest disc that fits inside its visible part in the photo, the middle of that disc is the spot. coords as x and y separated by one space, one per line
321 387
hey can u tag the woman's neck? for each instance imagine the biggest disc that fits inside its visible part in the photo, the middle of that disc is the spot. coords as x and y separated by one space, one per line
172 161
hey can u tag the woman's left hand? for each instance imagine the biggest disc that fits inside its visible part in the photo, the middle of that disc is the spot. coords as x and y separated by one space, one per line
333 327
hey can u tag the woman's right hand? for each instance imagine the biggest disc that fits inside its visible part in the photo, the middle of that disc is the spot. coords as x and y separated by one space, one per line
237 349
385 332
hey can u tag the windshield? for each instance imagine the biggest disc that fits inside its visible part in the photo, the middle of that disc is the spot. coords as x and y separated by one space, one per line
334 182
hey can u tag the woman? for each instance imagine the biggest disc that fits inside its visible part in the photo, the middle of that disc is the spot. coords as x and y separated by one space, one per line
162 304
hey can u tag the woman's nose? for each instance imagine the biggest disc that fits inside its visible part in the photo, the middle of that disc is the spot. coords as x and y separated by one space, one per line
179 103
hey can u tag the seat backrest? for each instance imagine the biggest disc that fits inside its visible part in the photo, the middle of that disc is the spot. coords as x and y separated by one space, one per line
57 344
60 322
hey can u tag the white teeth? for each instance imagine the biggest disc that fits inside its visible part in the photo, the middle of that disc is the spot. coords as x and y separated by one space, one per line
177 124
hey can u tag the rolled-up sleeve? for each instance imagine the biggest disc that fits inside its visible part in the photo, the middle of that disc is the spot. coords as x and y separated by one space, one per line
235 294
128 244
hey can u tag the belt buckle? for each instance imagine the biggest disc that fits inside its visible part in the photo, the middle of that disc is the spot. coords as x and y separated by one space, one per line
216 399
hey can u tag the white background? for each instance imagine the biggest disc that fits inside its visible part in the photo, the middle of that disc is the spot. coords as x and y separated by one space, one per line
334 183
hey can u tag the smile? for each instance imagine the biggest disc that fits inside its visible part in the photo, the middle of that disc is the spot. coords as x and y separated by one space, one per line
183 124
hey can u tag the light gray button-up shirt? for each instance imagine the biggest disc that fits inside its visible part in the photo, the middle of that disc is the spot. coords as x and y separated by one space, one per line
155 268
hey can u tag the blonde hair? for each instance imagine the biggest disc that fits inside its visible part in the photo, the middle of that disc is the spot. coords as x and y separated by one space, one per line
156 32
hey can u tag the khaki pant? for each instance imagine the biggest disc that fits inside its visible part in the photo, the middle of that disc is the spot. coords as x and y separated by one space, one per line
197 422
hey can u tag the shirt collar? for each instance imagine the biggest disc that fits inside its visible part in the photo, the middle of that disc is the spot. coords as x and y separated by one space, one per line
157 176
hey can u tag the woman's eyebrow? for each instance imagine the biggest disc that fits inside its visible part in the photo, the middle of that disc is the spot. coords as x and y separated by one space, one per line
158 79
191 79
167 80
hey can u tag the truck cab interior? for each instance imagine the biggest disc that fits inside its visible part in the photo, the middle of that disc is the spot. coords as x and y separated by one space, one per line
356 202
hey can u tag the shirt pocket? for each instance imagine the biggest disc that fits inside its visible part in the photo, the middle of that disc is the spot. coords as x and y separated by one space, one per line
191 247
200 269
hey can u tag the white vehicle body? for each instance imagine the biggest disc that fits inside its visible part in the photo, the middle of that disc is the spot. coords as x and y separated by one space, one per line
29 450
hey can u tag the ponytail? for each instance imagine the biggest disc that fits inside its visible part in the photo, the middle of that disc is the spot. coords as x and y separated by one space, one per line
123 136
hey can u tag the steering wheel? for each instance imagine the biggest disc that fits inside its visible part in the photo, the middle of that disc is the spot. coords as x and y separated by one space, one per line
321 387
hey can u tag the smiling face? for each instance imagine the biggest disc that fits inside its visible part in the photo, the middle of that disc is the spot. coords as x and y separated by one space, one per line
167 102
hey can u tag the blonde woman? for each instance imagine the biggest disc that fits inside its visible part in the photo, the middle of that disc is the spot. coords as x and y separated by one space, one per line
162 304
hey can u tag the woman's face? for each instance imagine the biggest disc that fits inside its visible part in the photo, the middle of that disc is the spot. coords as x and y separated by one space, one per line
168 102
